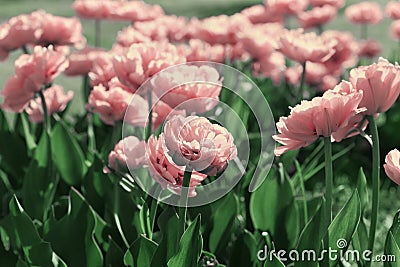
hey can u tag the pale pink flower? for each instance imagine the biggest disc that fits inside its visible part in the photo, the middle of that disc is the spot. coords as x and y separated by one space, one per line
260 14
257 42
369 48
195 89
165 172
56 101
395 29
111 104
19 31
328 82
220 29
345 52
356 123
272 66
286 7
317 16
302 47
393 10
380 83
129 153
335 3
17 94
198 50
196 142
364 13
130 35
321 116
41 67
60 30
235 52
142 61
392 165
315 72
162 111
94 9
164 28
81 61
102 71
135 11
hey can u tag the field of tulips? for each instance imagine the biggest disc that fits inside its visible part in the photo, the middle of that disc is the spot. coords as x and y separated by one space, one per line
230 133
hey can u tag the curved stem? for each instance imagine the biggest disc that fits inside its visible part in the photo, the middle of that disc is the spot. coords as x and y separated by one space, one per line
183 201
150 119
328 187
375 182
303 79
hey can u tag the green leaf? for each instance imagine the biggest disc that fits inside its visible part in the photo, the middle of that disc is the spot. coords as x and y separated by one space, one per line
167 223
36 251
223 219
190 247
392 248
114 255
68 155
345 224
274 263
244 251
72 237
311 236
140 253
362 189
3 122
29 137
268 206
7 257
13 154
39 185
392 245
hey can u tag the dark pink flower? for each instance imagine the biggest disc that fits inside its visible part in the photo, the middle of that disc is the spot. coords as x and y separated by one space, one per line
393 10
165 172
56 101
17 94
369 48
395 29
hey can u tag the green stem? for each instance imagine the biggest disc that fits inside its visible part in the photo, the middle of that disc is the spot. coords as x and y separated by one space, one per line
328 187
303 79
183 201
116 211
150 119
375 182
46 118
303 191
364 31
97 31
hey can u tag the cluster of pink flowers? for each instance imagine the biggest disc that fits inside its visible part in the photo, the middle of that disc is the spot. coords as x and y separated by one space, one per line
39 28
116 10
32 74
340 112
393 12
